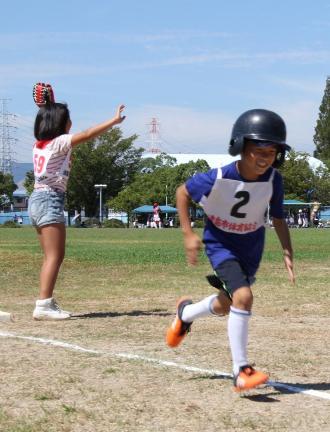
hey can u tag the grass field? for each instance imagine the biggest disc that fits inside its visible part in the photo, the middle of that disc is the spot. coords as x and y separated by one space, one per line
122 286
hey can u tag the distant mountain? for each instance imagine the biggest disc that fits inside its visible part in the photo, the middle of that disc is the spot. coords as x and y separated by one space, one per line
20 169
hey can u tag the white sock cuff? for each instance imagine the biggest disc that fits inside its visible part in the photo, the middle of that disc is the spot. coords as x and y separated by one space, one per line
44 301
211 299
239 311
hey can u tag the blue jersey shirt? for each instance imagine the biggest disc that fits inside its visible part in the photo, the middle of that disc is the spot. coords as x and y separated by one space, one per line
246 247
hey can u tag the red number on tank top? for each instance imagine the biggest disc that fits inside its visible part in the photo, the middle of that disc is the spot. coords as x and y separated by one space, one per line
39 162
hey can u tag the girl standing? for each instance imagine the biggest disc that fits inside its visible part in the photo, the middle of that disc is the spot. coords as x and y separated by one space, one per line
51 159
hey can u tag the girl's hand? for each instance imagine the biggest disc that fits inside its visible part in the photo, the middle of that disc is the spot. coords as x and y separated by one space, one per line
192 244
118 117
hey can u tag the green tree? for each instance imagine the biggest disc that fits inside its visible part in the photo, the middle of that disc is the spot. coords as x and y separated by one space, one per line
149 164
7 188
299 178
159 185
111 160
29 181
322 186
322 129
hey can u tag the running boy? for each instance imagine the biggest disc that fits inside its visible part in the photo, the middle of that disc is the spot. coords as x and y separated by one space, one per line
51 157
235 199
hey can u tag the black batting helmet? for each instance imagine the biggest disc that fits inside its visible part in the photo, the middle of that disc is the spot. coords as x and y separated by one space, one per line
259 125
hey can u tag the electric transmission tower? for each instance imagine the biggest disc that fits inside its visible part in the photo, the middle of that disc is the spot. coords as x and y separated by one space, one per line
154 141
6 139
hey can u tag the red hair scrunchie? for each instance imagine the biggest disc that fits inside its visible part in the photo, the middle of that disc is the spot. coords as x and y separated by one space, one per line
42 93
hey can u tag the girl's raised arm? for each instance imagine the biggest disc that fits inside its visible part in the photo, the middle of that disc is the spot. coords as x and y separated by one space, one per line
98 129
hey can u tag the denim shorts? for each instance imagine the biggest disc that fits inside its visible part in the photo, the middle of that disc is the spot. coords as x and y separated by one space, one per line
46 207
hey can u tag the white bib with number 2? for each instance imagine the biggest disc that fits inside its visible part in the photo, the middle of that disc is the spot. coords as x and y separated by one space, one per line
237 206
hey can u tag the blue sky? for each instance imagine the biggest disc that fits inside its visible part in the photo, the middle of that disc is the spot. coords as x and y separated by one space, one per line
195 66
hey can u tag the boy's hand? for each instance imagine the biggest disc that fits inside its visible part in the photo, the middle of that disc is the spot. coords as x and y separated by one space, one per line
289 266
192 244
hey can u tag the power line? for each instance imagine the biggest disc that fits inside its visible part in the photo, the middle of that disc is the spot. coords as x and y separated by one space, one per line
6 139
154 140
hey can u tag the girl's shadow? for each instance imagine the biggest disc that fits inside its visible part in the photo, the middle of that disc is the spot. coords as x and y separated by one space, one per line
155 312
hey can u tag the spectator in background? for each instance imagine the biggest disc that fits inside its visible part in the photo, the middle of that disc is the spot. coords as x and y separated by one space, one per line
315 219
156 215
305 218
291 220
300 219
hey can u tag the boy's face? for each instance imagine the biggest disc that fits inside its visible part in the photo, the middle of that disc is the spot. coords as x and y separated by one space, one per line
258 158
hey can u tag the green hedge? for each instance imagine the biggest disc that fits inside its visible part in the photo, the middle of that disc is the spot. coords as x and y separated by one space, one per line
10 224
113 223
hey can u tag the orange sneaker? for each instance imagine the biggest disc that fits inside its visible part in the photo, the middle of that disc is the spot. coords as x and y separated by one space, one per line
248 378
179 328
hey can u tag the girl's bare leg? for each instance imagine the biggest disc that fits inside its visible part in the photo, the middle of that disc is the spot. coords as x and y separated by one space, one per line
52 241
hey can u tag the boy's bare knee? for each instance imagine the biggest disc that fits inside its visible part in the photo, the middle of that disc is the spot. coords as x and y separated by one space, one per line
243 298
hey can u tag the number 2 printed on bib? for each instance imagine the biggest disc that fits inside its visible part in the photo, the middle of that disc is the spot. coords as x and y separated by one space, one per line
237 206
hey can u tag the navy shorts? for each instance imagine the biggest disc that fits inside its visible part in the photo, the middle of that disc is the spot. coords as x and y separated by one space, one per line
46 207
231 277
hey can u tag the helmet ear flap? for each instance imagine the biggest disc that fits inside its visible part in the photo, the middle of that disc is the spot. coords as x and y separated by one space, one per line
236 146
280 157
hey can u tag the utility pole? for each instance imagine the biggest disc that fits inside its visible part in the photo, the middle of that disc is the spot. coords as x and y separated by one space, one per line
6 154
154 141
100 187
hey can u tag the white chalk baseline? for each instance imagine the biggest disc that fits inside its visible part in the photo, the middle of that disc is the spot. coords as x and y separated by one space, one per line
137 357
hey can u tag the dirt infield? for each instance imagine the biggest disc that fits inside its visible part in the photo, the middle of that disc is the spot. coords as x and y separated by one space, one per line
125 310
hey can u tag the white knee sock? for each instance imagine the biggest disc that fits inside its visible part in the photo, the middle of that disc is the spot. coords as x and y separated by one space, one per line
238 327
198 310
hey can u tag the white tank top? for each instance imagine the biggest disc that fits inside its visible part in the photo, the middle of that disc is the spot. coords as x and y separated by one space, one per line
51 160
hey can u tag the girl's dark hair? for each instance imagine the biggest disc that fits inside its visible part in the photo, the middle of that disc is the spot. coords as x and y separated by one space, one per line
51 121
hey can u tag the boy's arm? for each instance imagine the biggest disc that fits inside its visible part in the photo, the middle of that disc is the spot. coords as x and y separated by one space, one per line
192 242
98 129
283 234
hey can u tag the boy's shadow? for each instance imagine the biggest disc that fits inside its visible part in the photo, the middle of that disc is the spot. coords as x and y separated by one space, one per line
134 313
306 386
264 397
284 388
279 388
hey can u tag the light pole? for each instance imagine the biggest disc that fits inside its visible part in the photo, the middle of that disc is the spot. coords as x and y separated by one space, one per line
100 187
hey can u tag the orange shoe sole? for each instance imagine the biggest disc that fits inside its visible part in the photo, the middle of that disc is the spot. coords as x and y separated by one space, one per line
175 334
250 381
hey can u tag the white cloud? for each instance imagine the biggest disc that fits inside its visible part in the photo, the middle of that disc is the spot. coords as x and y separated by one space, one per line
190 131
182 129
307 86
227 59
185 130
301 119
11 72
